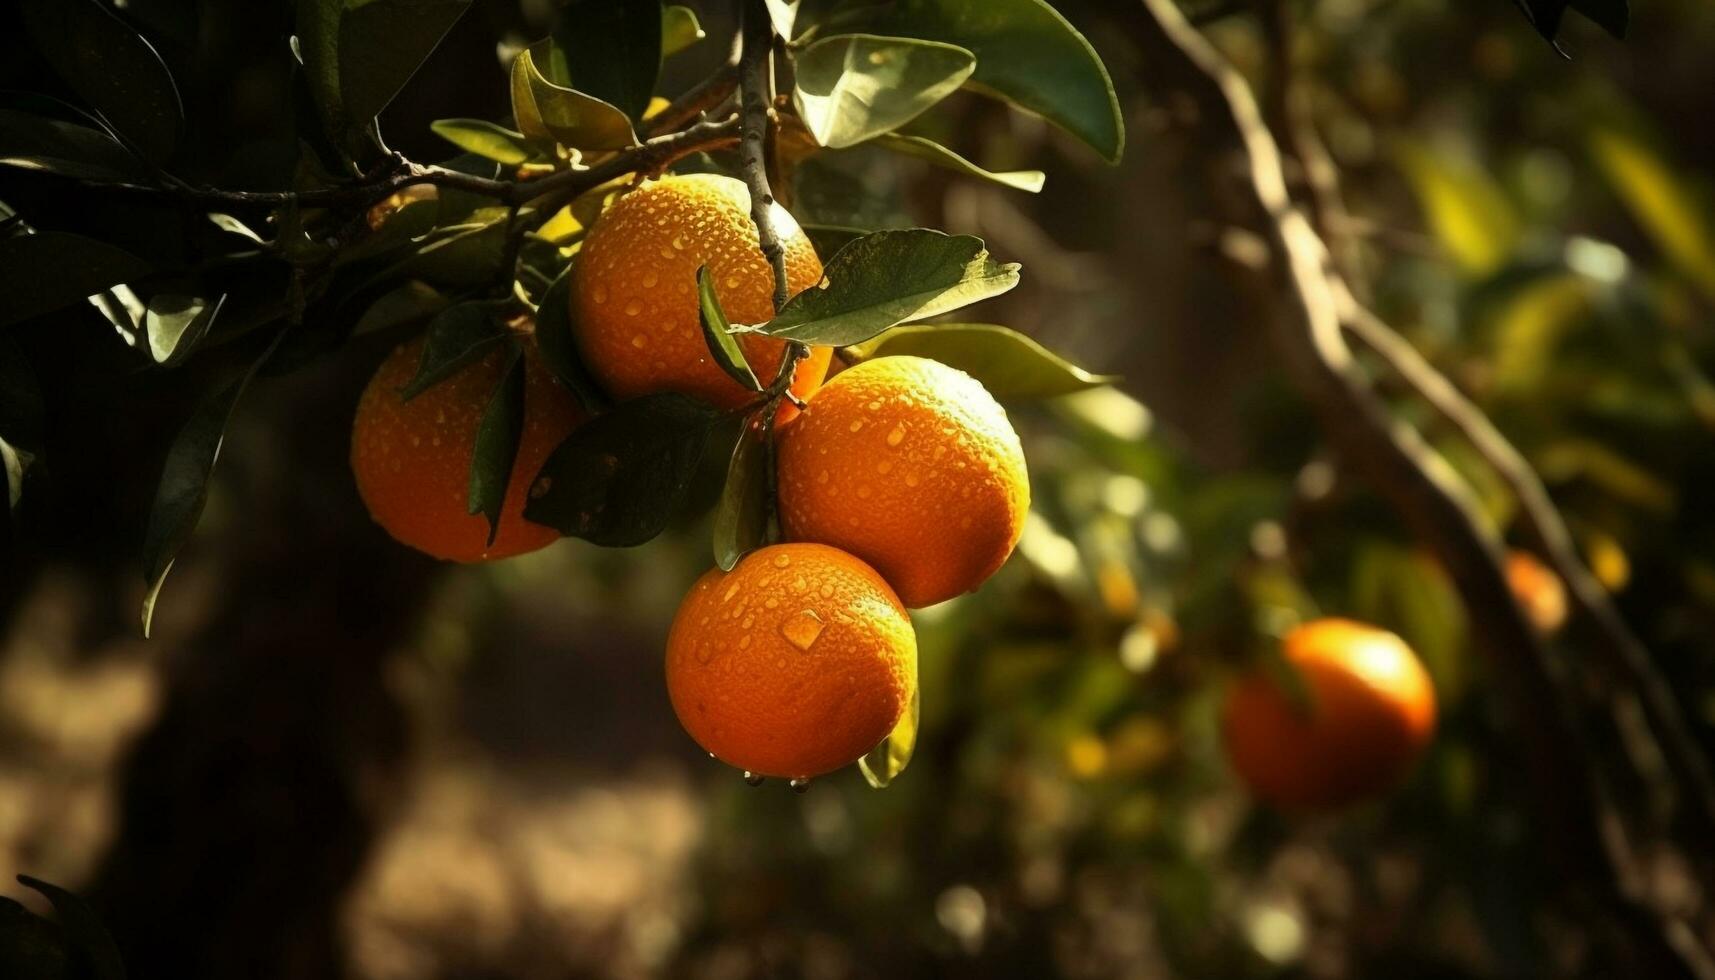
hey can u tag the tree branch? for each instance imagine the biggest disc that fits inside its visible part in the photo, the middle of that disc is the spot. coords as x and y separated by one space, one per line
1297 302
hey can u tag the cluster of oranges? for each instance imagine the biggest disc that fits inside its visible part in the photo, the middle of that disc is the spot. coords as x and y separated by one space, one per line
900 482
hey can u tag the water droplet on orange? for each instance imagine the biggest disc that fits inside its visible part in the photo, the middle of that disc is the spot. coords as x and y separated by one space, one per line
897 436
781 561
802 628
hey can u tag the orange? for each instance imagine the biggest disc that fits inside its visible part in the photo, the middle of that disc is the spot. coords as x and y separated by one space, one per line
912 466
1538 591
1370 713
412 458
793 664
634 292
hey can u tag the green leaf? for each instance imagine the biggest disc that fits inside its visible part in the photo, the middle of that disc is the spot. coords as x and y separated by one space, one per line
1028 54
852 87
1008 363
176 324
1675 219
882 764
52 269
496 447
183 489
741 517
679 29
887 278
1466 209
620 477
409 302
784 15
611 51
547 111
557 342
1546 15
31 142
111 67
83 927
485 139
723 346
1029 181
232 226
459 335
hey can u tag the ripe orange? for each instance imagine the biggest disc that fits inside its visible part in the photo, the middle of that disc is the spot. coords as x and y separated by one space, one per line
412 458
1538 590
793 664
912 466
634 292
1371 711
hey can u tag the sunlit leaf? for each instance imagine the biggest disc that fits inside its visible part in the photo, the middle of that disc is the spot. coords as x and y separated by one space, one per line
496 446
723 346
1529 326
620 477
1008 363
1027 53
233 226
1678 220
611 51
882 764
784 14
485 139
852 87
52 269
1467 211
890 277
741 517
176 324
1608 470
679 29
544 110
1029 181
112 67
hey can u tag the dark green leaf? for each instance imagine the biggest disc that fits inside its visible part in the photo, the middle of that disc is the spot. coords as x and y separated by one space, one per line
890 277
923 148
1009 364
51 269
409 302
83 928
1030 55
21 419
852 87
111 67
183 489
486 139
723 346
679 29
619 478
741 517
611 50
1546 15
557 341
546 111
457 336
31 142
829 239
176 324
496 446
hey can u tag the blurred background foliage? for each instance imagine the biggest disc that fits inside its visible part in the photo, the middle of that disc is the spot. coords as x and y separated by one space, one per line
488 753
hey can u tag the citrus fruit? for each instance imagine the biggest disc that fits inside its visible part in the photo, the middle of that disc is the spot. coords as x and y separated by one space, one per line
793 664
412 458
1368 711
912 466
634 291
1537 590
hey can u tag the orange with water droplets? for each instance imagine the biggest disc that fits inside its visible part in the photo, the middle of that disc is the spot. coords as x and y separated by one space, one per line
634 291
1367 713
795 663
912 466
412 458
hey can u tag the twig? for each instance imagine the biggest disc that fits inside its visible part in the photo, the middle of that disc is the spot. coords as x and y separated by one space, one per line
1298 301
651 155
697 100
1542 521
